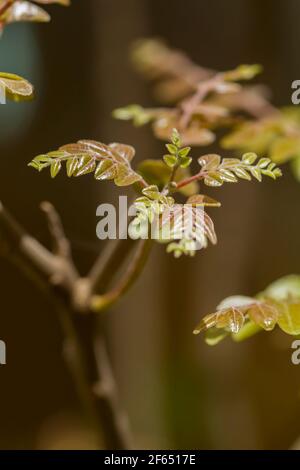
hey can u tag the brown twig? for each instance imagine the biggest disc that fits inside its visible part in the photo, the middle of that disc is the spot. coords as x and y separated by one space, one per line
62 249
17 240
86 354
61 243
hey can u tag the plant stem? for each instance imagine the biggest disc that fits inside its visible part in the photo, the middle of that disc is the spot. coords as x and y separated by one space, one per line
101 302
190 179
189 105
87 357
108 263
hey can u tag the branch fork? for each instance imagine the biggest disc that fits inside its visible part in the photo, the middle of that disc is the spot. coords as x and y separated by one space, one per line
76 298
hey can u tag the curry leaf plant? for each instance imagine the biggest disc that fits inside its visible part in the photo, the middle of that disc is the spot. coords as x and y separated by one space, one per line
156 199
169 195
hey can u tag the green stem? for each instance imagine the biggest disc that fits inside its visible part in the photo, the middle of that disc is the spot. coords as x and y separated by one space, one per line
101 302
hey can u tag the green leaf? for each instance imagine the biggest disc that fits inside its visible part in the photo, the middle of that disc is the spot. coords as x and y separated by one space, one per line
34 165
243 72
271 171
170 160
284 149
285 292
55 168
126 152
295 166
263 162
289 318
71 166
213 179
277 172
256 173
257 136
43 159
284 288
85 166
227 176
176 139
209 162
172 149
215 336
126 176
185 162
249 158
106 170
126 113
134 112
242 173
184 152
248 329
152 192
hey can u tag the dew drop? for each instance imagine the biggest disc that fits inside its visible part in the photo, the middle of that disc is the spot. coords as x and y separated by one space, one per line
234 326
269 323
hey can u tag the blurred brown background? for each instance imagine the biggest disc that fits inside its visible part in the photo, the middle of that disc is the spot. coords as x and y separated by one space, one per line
179 392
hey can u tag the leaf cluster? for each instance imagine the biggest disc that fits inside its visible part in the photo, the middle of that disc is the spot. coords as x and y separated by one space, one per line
242 317
106 162
229 170
186 228
194 90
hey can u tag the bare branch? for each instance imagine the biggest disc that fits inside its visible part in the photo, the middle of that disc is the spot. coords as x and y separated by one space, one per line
62 248
15 240
61 243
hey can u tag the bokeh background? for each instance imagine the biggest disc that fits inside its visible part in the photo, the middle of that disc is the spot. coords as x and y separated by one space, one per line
179 392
